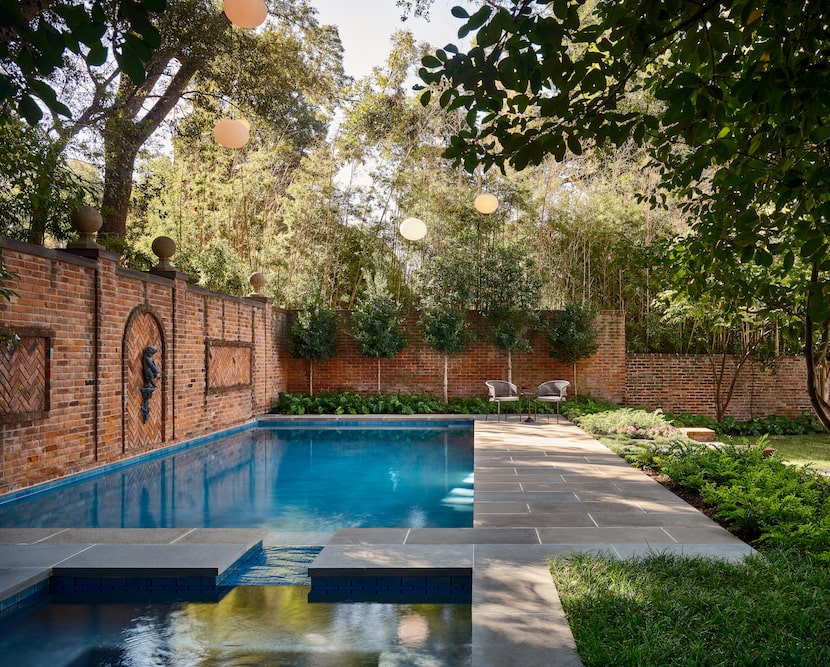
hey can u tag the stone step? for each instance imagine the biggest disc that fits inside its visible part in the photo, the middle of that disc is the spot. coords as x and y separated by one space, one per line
699 434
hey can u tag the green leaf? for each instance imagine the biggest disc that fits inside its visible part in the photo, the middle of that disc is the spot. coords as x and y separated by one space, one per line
430 61
459 12
97 55
29 109
132 66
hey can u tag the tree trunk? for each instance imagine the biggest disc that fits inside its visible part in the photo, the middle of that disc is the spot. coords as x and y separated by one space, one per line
378 376
817 373
574 385
446 400
816 358
509 367
310 378
127 131
119 162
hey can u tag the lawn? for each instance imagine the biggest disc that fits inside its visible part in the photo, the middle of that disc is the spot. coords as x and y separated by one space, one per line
811 449
772 610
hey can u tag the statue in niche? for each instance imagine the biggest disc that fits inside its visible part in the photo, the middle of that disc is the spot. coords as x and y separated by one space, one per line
151 372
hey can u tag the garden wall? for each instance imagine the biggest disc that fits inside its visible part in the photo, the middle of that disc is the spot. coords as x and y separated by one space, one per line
71 389
685 383
419 369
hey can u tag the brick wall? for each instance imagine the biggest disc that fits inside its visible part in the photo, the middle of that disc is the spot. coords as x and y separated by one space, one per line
70 394
685 383
419 369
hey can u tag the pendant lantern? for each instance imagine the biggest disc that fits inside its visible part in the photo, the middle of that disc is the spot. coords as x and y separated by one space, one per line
413 229
246 13
232 133
486 203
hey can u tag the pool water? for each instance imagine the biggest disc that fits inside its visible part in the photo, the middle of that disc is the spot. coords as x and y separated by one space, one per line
309 481
279 479
251 626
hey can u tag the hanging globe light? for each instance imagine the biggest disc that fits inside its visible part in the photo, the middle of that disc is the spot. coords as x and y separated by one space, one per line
246 13
232 133
486 203
413 229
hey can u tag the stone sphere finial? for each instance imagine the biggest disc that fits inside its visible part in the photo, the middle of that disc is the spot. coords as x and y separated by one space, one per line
164 248
87 221
257 281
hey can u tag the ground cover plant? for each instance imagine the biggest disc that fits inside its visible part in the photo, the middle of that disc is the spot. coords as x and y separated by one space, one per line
352 403
771 609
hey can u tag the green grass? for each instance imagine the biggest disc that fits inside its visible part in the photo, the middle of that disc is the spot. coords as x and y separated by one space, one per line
664 610
813 449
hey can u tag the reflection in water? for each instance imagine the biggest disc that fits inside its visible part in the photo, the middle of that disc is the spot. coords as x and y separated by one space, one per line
277 479
252 625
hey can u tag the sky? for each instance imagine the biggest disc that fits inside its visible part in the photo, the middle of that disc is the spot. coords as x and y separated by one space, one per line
366 26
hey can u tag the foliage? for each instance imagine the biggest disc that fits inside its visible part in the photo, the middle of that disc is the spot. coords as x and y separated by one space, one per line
630 422
38 189
37 35
215 267
573 338
762 498
734 122
377 321
314 335
666 609
509 298
445 329
351 403
772 424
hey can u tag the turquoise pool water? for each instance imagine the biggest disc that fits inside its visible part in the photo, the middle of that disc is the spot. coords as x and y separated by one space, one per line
262 626
309 480
279 479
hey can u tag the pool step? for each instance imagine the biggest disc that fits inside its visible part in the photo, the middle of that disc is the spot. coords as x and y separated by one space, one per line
392 573
106 561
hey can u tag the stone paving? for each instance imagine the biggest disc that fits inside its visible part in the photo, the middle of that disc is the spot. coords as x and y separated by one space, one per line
541 489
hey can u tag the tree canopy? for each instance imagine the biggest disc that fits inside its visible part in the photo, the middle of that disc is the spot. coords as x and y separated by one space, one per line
36 34
730 99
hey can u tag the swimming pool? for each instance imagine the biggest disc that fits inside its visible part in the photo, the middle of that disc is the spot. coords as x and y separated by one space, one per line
280 478
252 625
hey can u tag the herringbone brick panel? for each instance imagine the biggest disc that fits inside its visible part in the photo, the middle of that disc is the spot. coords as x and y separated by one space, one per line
228 366
144 333
23 377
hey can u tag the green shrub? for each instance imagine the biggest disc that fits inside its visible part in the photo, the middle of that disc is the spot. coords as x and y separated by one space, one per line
628 422
352 403
807 422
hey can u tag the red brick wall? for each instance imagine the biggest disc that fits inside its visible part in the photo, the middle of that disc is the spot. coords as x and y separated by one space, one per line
419 369
90 311
685 383
87 318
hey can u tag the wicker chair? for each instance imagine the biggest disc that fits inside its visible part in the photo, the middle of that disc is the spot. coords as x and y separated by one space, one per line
554 391
502 391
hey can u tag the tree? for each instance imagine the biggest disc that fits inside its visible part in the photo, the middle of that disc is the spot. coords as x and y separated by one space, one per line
38 189
738 127
573 338
445 330
509 300
36 34
377 322
313 336
268 74
729 332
